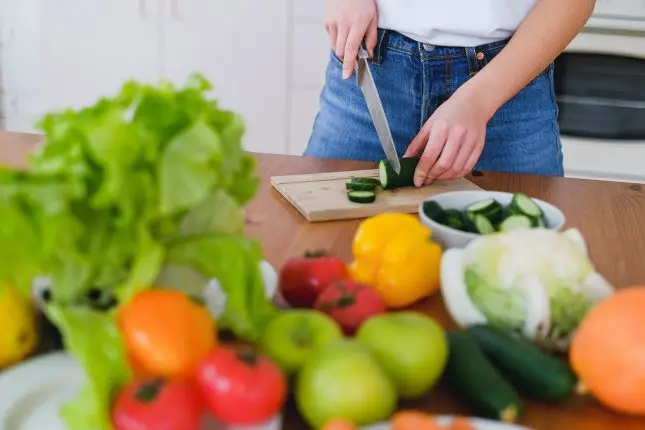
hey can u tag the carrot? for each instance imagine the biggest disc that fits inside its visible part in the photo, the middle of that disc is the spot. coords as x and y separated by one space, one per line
461 423
414 420
339 424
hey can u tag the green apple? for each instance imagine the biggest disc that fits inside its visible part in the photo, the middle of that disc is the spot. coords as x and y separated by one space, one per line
410 346
344 380
294 335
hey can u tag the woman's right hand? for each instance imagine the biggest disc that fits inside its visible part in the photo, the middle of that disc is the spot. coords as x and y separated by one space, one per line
348 23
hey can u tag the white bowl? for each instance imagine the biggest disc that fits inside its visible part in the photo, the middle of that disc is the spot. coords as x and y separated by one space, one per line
449 237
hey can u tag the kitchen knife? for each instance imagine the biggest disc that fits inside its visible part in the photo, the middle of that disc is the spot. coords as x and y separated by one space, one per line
368 87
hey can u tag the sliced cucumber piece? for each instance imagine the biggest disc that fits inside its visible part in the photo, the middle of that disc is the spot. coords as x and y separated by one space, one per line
434 211
482 224
390 179
521 204
515 222
455 219
359 186
361 196
372 181
490 208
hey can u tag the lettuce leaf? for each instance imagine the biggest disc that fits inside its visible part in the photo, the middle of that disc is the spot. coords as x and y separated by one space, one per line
153 176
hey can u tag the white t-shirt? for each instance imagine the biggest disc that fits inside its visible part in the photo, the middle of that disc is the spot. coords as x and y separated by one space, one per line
454 22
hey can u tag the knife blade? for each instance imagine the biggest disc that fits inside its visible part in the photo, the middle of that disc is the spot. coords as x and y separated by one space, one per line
368 87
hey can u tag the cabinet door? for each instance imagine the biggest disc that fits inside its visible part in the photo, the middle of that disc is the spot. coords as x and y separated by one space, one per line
90 48
241 47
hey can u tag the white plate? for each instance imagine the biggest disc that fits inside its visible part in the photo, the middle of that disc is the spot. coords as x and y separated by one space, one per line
32 393
479 424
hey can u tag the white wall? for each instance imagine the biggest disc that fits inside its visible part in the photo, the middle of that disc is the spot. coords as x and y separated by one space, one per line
45 65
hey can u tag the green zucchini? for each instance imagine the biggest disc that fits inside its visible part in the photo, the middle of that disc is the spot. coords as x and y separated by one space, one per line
361 196
490 208
515 222
473 377
532 371
359 186
405 178
434 211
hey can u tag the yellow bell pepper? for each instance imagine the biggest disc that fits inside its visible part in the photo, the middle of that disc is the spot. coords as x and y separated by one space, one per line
393 253
18 333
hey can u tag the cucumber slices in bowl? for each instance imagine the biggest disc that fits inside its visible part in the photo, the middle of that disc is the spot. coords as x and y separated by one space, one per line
488 215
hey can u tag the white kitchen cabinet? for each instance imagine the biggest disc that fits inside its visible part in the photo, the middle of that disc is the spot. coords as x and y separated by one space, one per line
304 107
89 48
241 47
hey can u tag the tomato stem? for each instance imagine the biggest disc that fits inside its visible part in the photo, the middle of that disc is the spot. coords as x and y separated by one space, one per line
248 357
345 301
149 390
316 253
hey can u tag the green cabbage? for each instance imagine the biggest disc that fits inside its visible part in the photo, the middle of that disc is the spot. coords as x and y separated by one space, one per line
537 282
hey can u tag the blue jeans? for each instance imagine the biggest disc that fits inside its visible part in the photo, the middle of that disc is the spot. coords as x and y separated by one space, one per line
413 80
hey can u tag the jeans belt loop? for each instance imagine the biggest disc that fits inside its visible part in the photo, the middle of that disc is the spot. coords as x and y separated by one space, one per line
473 63
381 47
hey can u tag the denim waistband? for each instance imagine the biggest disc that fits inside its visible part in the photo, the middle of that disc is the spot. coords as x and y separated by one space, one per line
391 40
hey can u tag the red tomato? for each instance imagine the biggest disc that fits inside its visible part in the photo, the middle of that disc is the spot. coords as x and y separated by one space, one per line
303 278
350 303
240 387
156 404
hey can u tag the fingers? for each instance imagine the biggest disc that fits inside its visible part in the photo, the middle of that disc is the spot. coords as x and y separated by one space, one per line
342 31
420 140
436 143
332 31
354 39
446 162
371 37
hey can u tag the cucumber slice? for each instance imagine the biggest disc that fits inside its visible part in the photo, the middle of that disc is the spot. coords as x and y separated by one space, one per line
490 208
389 178
359 186
515 222
361 196
521 204
434 211
482 224
455 219
372 181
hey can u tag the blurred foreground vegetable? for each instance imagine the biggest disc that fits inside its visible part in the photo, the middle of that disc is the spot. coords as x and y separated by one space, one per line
155 176
535 281
18 331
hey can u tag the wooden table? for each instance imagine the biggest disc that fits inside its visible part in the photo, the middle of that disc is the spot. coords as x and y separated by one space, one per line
610 215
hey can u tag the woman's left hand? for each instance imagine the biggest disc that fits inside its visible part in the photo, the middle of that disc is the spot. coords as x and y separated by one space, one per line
451 141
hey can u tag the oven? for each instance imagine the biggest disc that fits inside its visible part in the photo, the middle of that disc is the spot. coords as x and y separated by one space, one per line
600 91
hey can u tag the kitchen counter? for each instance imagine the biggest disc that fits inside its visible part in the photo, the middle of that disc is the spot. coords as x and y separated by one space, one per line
609 215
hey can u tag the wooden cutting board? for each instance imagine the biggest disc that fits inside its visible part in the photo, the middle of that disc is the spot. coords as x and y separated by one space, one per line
323 197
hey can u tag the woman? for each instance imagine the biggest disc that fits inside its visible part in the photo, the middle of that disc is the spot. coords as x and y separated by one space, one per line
464 83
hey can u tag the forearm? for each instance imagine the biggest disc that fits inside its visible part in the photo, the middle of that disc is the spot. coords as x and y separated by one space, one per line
545 32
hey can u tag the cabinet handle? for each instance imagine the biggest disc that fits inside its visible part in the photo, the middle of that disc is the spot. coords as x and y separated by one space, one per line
143 10
174 9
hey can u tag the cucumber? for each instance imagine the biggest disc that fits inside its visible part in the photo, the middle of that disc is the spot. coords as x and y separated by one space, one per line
389 178
361 196
434 211
363 180
473 377
523 205
482 224
359 186
490 208
525 365
515 222
455 219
